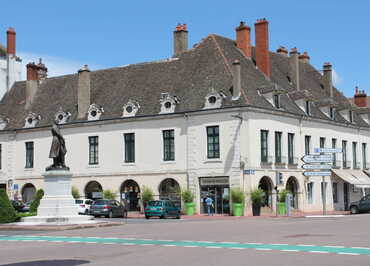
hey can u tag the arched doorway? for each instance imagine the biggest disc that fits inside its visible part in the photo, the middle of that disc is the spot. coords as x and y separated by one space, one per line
292 186
93 190
28 192
130 192
266 185
170 189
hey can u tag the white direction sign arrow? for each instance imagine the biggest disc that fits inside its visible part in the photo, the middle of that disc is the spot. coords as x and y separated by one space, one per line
316 166
328 150
324 158
322 173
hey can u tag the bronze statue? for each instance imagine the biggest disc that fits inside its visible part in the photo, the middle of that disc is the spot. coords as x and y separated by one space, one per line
58 150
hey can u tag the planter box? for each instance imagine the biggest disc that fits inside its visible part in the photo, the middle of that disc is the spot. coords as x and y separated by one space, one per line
190 208
237 209
256 209
281 208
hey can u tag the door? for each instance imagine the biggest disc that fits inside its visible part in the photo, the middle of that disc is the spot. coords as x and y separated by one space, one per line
345 195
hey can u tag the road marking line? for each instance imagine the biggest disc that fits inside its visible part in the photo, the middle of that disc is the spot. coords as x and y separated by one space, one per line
147 244
146 239
57 241
291 250
306 245
333 246
316 251
360 248
90 242
213 247
166 240
109 243
128 244
190 246
205 241
168 245
263 249
236 248
229 242
253 243
347 253
279 244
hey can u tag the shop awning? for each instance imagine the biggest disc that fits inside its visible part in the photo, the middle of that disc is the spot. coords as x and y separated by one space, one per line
354 177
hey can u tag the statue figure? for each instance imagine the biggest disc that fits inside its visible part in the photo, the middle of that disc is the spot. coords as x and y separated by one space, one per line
58 150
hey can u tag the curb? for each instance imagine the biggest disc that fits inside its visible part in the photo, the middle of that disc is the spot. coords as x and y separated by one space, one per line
57 227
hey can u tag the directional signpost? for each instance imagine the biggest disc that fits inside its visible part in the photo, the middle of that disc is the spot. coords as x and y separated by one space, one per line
320 165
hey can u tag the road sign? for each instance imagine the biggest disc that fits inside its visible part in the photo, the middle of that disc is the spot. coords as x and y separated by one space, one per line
316 166
328 150
312 158
249 172
321 173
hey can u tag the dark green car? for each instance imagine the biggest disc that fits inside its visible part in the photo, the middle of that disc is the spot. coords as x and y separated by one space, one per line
162 209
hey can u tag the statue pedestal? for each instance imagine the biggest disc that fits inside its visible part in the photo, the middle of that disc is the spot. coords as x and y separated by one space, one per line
57 205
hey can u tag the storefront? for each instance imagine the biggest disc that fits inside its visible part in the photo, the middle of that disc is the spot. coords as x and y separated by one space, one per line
218 188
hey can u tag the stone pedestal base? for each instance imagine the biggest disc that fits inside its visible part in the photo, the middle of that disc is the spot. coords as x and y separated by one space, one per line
57 205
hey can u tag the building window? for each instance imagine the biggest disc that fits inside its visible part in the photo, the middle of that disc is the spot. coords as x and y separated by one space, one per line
93 150
29 154
344 153
354 154
213 142
334 145
364 157
350 116
322 142
277 100
307 145
310 192
308 108
264 145
169 145
335 192
332 113
129 147
278 147
290 148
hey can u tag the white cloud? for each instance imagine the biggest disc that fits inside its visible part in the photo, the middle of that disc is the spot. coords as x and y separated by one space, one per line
57 66
337 80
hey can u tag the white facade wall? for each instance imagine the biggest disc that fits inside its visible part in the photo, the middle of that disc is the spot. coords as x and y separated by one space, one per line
239 150
12 67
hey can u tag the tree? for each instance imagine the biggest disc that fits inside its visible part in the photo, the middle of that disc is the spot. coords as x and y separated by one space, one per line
75 192
7 212
109 194
36 201
146 195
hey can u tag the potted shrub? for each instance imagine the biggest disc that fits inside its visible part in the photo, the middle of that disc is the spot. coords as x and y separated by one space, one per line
281 204
256 197
146 195
237 198
75 193
188 198
109 194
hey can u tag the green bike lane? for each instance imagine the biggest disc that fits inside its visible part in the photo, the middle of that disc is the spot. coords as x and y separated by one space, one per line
341 250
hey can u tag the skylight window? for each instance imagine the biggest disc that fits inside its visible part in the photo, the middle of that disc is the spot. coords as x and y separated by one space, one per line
332 113
308 108
277 101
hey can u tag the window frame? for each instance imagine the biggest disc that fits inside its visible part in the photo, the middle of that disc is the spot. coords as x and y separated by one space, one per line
307 144
334 145
264 148
278 146
213 146
344 153
129 142
290 148
30 154
364 155
354 154
93 150
168 137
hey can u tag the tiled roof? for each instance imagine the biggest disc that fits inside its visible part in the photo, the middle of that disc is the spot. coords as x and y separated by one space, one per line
190 77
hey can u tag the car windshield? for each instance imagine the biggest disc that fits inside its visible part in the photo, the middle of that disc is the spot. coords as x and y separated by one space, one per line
79 201
155 203
101 202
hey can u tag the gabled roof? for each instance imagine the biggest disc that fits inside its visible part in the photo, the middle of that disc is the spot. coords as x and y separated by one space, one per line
190 77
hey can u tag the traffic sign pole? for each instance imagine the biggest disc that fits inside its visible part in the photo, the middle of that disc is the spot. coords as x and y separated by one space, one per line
323 196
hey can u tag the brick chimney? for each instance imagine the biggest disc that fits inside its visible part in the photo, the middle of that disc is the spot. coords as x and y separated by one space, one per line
304 58
236 80
243 39
83 91
282 50
328 78
35 74
294 67
10 41
262 46
360 98
180 39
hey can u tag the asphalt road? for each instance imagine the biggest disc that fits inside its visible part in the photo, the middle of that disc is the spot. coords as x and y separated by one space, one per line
246 241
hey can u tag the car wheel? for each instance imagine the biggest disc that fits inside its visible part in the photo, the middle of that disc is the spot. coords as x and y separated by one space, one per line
147 217
86 212
354 210
110 214
164 216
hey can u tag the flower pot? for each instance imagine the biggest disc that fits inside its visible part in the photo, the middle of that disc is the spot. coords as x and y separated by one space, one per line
190 208
237 209
281 208
256 209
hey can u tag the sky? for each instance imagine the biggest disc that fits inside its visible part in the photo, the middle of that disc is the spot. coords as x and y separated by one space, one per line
70 33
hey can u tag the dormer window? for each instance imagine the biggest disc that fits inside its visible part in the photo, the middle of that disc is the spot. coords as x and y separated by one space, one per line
332 113
277 101
62 117
95 111
130 108
32 120
350 116
168 103
308 107
214 99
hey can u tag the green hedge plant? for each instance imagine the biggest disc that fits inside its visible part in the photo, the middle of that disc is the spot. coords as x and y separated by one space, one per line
36 201
75 192
109 194
7 212
187 196
237 195
282 195
147 195
256 196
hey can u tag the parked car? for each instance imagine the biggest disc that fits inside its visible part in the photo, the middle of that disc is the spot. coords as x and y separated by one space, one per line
108 208
161 209
363 205
83 205
18 205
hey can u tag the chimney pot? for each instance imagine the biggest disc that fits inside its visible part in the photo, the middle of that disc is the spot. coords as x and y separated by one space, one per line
360 98
282 50
262 46
180 37
304 57
243 39
10 46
